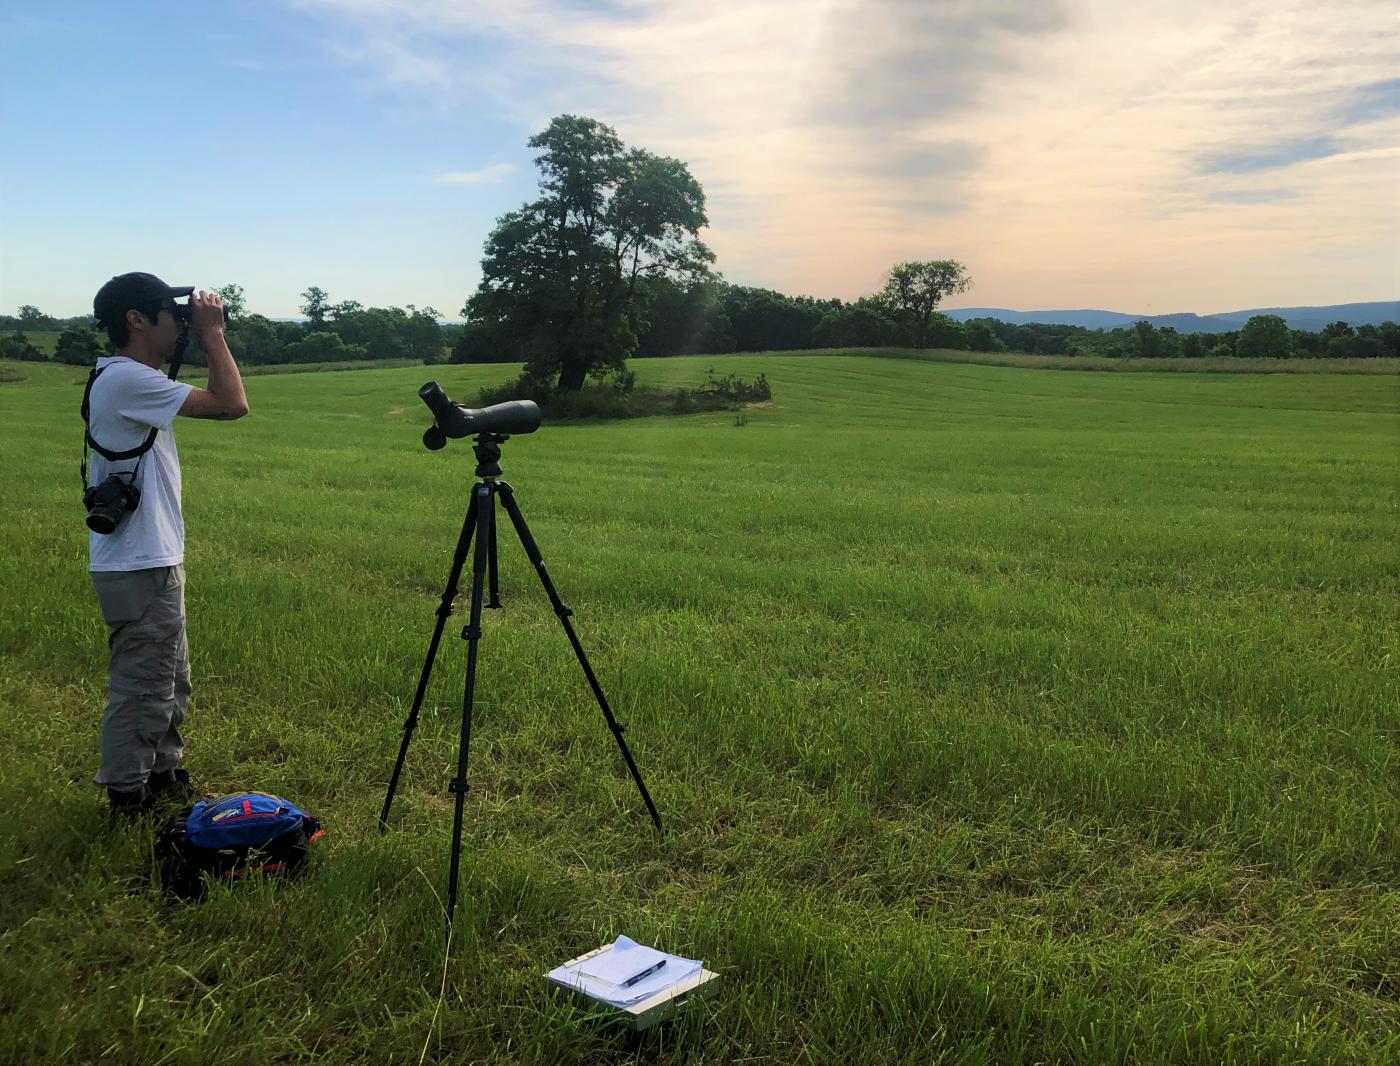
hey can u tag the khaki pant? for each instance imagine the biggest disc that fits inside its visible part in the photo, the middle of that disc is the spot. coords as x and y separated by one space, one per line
148 677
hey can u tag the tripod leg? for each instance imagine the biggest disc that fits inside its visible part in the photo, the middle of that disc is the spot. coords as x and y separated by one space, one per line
495 600
507 495
485 506
449 594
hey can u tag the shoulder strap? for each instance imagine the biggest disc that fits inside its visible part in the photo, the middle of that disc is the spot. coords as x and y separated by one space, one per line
131 453
88 441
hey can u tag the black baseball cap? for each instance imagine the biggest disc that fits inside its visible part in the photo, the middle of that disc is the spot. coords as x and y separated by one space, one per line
136 290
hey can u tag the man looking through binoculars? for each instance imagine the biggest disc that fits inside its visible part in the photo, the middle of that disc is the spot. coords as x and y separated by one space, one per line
136 548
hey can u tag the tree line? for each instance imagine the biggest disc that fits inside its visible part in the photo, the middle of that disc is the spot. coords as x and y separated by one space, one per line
345 331
607 263
709 318
717 318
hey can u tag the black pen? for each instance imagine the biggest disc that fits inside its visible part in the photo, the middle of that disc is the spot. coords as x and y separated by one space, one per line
645 973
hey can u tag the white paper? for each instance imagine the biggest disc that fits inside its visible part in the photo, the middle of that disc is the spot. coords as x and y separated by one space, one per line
624 961
626 954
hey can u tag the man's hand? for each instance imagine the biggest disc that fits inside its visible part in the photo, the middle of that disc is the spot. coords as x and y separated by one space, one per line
224 398
207 312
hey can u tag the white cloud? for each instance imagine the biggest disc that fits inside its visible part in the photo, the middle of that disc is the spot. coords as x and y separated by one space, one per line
485 176
1064 150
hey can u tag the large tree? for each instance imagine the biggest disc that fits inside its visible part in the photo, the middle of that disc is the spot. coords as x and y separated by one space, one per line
1264 337
563 277
913 291
234 300
253 339
30 317
316 306
79 345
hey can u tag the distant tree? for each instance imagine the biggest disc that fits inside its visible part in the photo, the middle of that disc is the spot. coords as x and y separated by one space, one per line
1388 333
684 319
233 299
344 308
945 332
30 317
253 339
1308 345
1337 329
981 337
19 346
1264 337
562 275
854 327
322 347
1191 346
1147 342
422 336
315 306
1355 347
1218 344
484 342
762 320
1169 346
375 330
79 346
913 291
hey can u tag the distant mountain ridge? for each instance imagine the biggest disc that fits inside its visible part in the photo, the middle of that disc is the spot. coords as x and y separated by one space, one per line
1308 318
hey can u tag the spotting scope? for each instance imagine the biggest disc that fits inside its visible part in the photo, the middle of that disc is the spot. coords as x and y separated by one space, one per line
455 420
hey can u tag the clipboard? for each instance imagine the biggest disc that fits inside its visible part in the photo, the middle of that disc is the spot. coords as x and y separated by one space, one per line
648 1012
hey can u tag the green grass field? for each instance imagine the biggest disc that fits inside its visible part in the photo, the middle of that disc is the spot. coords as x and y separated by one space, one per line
996 716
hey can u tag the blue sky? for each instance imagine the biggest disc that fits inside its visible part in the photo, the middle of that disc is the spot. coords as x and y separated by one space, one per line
1074 153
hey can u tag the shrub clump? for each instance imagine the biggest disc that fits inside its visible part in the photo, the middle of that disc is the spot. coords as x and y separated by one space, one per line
19 346
618 396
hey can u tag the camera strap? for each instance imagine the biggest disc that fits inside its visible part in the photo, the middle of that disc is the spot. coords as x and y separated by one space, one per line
89 441
180 346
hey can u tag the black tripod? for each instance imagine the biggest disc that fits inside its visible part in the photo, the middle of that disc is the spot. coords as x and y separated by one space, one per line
480 522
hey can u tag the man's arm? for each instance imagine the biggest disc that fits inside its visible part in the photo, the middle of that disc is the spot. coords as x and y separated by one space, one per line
224 398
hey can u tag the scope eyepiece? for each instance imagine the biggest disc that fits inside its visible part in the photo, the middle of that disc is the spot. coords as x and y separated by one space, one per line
455 420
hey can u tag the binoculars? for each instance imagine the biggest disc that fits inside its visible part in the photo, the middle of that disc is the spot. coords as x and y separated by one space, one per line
184 314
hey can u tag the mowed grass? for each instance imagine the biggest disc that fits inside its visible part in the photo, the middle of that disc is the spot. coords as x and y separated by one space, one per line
996 716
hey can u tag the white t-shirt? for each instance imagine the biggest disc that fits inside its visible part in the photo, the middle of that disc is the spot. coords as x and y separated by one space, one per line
127 399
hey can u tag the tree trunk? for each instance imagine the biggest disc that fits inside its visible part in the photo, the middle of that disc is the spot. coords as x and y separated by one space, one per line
572 374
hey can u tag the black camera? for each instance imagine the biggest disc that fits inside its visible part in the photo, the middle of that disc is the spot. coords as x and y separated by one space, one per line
108 502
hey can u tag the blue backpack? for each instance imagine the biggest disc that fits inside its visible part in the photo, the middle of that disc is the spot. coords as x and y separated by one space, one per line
232 837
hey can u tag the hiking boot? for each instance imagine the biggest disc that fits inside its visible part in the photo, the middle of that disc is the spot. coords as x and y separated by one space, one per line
128 805
172 787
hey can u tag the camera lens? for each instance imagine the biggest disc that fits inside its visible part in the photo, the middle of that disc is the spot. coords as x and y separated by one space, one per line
101 520
108 504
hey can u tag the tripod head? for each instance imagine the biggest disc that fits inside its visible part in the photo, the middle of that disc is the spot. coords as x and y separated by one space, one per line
488 454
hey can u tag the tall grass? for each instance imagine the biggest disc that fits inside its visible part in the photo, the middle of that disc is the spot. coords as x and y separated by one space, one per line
1209 364
995 717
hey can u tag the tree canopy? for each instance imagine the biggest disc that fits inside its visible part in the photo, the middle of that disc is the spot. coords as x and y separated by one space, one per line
564 277
1265 336
316 305
914 290
233 298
